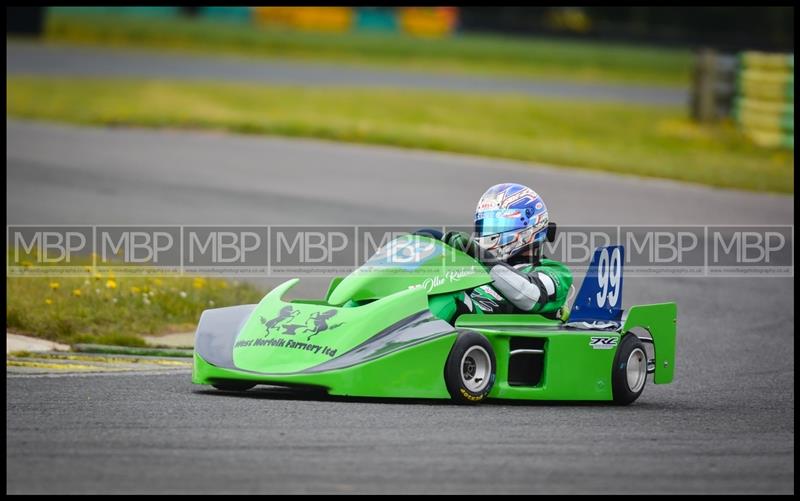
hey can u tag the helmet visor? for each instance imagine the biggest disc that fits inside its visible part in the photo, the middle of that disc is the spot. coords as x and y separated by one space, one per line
499 221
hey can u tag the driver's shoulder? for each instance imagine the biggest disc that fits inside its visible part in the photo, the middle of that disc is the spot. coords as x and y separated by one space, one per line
543 264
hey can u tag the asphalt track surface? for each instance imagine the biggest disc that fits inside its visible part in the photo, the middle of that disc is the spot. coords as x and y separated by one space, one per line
726 424
61 60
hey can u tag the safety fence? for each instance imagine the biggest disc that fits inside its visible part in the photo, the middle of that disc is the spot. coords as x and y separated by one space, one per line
764 103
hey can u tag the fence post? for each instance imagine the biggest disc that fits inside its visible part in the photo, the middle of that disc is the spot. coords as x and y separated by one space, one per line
703 105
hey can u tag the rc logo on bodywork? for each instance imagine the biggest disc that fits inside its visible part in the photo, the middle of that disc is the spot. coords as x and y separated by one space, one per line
602 343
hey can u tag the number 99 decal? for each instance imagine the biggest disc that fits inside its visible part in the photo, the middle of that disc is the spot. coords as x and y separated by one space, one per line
609 270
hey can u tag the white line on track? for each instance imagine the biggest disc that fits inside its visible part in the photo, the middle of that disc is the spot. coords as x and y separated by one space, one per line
11 375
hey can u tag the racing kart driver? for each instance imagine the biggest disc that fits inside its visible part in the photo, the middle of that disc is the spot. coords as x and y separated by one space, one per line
511 222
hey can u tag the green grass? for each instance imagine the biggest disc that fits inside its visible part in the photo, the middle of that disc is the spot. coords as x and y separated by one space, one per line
104 309
132 351
466 54
643 140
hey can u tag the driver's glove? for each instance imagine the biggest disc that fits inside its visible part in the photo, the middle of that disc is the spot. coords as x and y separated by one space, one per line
461 241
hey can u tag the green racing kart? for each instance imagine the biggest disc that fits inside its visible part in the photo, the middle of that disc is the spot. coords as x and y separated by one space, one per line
390 329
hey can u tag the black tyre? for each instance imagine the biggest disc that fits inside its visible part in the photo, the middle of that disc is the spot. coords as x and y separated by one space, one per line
233 385
470 368
629 374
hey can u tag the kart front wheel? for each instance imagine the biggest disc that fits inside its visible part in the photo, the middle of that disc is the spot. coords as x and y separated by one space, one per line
629 373
470 368
233 385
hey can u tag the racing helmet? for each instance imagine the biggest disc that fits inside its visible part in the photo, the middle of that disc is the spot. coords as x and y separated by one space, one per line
509 218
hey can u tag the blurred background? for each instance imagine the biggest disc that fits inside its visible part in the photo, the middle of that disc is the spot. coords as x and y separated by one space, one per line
729 28
707 88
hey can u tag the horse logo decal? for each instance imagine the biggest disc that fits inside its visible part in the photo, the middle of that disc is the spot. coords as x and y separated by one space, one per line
318 322
286 322
286 313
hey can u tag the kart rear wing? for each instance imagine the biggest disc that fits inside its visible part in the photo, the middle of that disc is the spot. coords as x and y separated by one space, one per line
599 299
660 322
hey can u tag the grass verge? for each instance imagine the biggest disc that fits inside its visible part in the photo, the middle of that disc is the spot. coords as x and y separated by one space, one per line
133 350
652 141
466 54
104 309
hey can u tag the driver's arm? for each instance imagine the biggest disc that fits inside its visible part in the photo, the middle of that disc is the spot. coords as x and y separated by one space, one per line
542 289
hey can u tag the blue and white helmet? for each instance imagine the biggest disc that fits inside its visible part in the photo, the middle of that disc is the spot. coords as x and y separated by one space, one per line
509 218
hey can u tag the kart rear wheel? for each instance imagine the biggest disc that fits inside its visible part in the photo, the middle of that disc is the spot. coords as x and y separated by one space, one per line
469 372
233 385
629 374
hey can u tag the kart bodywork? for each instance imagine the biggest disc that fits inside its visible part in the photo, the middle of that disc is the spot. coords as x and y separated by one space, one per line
388 330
